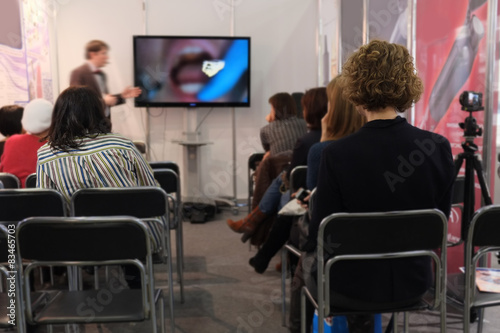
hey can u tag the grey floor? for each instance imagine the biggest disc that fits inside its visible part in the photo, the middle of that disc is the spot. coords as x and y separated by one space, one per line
224 295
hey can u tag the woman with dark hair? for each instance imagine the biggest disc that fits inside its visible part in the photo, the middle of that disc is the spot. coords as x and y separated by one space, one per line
340 120
81 152
284 127
314 103
10 122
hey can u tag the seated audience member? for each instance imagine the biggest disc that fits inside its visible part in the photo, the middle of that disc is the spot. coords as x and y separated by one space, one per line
278 139
340 120
19 155
284 127
81 152
314 105
10 122
359 173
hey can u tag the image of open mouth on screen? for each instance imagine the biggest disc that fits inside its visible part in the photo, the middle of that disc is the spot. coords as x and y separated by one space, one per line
192 71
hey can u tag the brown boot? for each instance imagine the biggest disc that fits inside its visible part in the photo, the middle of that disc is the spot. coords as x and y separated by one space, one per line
248 224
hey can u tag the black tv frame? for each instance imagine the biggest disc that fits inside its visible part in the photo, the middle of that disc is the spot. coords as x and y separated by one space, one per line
153 104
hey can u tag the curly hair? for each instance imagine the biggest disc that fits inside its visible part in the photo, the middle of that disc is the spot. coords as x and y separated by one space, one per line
381 74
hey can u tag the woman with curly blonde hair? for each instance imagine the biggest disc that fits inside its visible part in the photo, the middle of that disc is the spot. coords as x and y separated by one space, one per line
387 165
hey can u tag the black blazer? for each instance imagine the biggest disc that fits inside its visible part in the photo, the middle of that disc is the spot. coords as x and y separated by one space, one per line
387 165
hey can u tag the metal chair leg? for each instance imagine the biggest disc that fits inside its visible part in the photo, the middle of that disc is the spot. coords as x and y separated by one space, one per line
406 319
283 286
480 320
180 259
395 322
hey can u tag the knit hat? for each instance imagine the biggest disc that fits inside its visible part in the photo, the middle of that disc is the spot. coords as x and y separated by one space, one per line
37 116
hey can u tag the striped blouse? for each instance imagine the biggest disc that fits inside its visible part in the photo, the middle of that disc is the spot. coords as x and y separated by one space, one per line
107 160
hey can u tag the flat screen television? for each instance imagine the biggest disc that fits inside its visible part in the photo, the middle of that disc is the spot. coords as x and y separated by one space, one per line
192 71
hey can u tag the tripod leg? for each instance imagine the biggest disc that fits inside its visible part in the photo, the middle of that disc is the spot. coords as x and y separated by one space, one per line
458 164
480 175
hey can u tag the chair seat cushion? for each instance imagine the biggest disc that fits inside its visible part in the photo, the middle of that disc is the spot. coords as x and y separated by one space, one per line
104 305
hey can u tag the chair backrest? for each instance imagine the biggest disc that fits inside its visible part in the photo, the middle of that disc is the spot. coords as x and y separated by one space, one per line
485 228
31 181
4 234
18 204
483 238
298 178
369 233
170 183
387 236
141 202
168 180
82 239
166 165
9 180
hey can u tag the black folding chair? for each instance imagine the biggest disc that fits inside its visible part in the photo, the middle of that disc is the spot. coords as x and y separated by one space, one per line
483 238
166 165
378 236
18 204
170 183
83 242
31 181
253 162
298 179
9 180
146 203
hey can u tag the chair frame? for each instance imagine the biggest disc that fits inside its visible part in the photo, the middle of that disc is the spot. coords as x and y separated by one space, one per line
481 235
132 193
177 225
252 166
324 304
30 181
71 224
9 178
298 176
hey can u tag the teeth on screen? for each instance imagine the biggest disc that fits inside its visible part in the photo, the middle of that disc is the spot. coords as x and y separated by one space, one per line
191 88
191 50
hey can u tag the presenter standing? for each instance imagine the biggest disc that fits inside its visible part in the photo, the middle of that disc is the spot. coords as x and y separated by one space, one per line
89 74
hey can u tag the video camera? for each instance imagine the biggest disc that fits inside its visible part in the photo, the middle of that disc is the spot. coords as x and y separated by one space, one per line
471 101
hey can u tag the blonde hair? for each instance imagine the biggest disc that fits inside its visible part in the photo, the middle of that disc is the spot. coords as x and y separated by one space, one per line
381 74
342 118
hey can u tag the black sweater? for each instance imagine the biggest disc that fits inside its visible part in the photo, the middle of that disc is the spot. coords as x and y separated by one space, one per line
387 165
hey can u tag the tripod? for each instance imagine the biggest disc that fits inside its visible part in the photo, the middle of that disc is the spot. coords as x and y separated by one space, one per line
472 164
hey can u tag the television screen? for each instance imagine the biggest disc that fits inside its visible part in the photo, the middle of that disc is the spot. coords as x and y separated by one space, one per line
192 71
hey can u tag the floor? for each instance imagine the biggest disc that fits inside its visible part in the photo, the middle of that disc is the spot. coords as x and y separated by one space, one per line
224 295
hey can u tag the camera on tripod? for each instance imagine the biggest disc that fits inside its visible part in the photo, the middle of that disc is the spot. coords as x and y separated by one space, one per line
471 101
